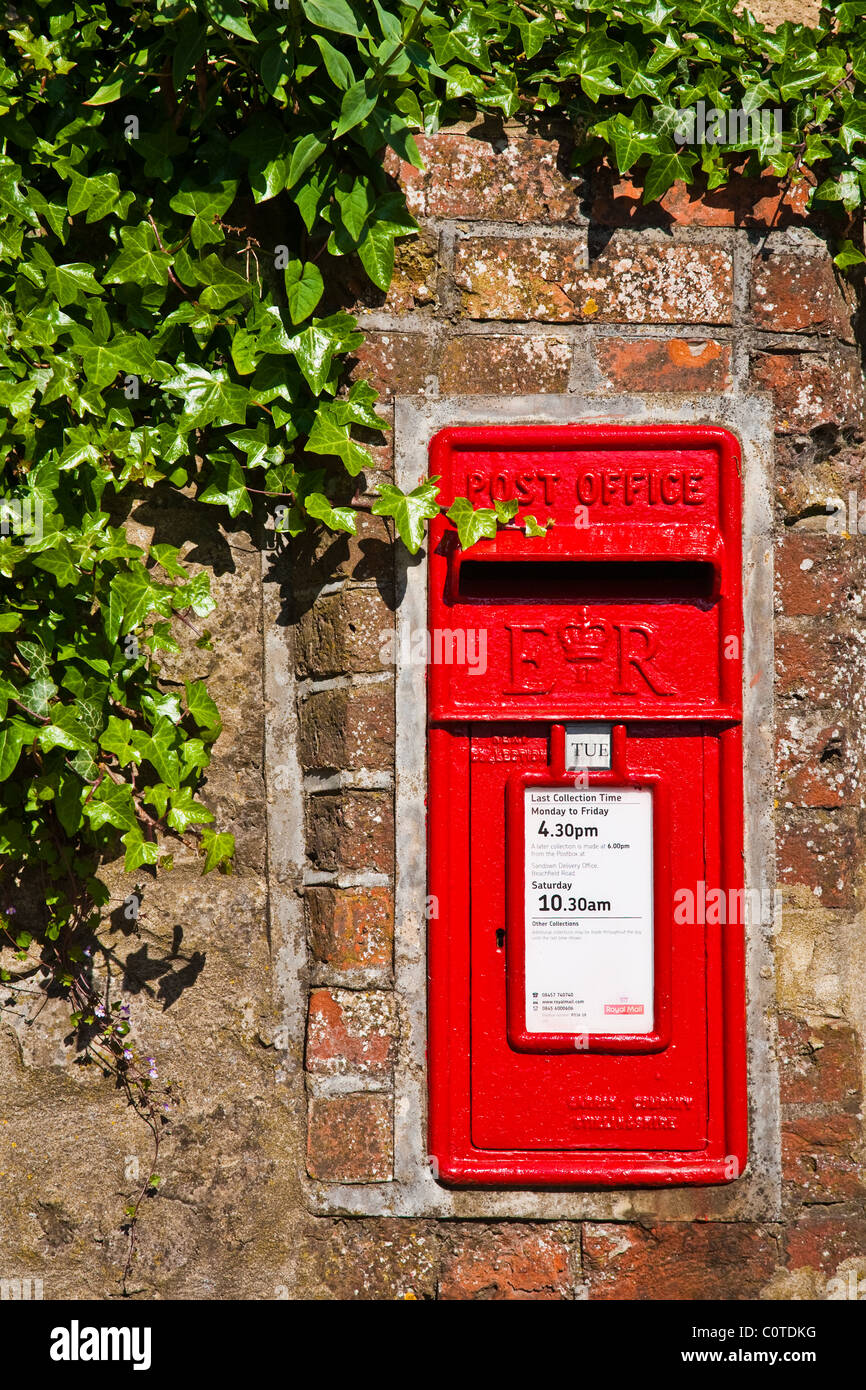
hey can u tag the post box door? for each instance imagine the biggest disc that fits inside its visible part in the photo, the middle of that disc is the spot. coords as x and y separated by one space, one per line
621 1097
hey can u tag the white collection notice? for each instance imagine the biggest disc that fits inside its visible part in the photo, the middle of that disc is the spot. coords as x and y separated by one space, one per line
589 910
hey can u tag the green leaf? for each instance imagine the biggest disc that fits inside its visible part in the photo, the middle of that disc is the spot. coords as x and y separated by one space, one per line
848 255
202 708
376 253
304 288
304 153
229 15
219 849
356 105
336 518
117 739
227 487
331 436
664 171
334 15
472 523
138 850
409 510
13 736
186 811
337 65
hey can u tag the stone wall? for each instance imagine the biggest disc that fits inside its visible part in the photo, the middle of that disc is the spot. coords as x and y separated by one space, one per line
523 281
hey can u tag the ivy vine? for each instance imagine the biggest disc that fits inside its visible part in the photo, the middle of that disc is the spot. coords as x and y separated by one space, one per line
173 176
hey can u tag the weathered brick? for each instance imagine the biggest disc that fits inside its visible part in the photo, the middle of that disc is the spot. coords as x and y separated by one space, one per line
509 179
799 292
350 928
320 558
348 727
820 849
618 202
351 1031
819 1159
382 1259
817 763
676 1261
810 948
504 366
824 1243
350 1138
631 281
506 1262
664 364
818 1065
819 574
352 830
809 389
817 665
396 364
343 632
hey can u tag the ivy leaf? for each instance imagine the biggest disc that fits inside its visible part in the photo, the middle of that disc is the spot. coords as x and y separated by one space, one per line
532 528
376 253
202 708
117 739
219 849
227 487
472 523
210 397
13 737
334 15
304 288
229 15
331 436
409 510
663 172
186 811
848 255
305 153
138 850
337 518
356 105
111 804
160 749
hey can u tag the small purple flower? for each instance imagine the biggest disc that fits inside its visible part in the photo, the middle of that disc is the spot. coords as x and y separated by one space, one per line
99 1011
127 1052
10 911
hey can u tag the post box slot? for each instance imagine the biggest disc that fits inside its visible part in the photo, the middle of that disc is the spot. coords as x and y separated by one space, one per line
573 581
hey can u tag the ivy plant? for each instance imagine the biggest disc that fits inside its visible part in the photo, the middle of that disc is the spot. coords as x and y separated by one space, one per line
174 178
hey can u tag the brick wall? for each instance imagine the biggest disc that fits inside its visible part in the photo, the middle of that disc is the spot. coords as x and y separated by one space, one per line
524 280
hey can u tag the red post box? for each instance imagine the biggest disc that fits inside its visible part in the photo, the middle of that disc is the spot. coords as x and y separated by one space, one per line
586 980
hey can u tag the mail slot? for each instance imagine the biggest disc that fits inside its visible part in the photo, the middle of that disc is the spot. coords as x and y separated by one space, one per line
586 1006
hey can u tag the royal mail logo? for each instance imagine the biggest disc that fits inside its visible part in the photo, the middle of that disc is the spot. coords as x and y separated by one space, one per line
588 649
623 1008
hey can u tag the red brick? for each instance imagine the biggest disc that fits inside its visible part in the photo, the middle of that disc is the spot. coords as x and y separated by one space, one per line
506 1262
632 281
818 1065
351 1138
351 1031
675 1261
817 665
743 202
810 390
818 574
351 928
343 632
504 366
666 364
817 763
396 364
820 850
348 728
825 1243
380 1259
798 292
509 180
819 1159
352 830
